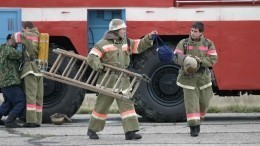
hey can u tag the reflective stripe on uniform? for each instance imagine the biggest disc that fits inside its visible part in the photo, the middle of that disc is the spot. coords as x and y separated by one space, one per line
178 51
190 48
32 38
205 86
96 52
203 48
124 47
17 37
127 114
135 51
31 107
99 116
202 114
193 116
185 86
38 108
110 47
211 52
31 72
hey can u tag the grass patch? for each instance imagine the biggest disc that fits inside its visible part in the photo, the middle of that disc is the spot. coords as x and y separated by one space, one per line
235 109
239 104
86 110
89 103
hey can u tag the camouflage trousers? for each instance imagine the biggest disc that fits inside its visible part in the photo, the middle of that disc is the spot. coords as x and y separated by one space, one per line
196 104
34 98
101 109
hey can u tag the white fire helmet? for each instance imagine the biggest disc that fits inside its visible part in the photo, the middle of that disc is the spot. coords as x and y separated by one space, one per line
116 24
190 65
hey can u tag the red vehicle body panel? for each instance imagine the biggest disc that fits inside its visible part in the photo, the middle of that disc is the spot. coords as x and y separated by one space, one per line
89 3
236 41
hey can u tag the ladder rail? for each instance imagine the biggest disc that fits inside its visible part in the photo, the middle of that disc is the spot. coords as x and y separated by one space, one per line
85 86
74 78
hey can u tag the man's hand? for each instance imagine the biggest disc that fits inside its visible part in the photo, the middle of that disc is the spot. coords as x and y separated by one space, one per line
198 59
152 34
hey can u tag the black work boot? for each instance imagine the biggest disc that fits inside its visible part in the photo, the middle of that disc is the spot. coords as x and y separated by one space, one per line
29 125
1 121
92 134
132 135
193 131
198 128
10 122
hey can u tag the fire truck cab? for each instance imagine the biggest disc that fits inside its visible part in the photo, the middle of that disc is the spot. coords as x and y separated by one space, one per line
233 25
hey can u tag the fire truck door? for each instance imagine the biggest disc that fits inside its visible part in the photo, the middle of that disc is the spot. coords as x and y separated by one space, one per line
10 22
98 21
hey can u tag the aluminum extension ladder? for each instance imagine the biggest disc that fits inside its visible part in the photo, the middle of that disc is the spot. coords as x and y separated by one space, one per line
77 79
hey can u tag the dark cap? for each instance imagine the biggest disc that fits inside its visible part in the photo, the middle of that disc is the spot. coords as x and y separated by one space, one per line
8 37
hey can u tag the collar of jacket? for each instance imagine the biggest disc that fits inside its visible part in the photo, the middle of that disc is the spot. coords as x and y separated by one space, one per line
34 30
199 39
110 35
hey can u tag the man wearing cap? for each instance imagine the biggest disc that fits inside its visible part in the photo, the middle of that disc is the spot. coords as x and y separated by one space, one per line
195 55
14 97
115 49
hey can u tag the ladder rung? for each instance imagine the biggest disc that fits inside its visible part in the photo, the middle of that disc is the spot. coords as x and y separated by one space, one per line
70 69
90 76
118 81
68 66
131 85
79 71
83 72
108 81
95 78
59 64
55 63
104 78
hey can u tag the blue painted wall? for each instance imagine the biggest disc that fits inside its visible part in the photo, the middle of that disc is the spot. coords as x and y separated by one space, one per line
98 21
10 22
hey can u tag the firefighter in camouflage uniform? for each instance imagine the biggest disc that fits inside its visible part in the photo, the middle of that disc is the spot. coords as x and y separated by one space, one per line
113 49
14 98
33 80
194 76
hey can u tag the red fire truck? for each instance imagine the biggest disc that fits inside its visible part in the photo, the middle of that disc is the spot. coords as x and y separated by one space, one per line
233 25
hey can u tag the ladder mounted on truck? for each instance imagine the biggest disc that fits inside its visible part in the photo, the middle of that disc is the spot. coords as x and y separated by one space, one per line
77 79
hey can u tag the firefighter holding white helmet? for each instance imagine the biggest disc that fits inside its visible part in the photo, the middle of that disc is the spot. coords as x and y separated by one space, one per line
195 55
115 49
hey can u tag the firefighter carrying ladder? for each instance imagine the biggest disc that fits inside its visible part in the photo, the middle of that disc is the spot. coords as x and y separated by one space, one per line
77 79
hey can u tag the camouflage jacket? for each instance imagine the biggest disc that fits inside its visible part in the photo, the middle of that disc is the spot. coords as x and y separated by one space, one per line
9 64
30 41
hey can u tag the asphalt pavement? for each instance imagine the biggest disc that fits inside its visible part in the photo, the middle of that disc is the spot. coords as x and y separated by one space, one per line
217 129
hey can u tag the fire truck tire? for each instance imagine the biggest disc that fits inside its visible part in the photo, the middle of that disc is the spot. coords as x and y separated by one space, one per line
60 98
161 100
